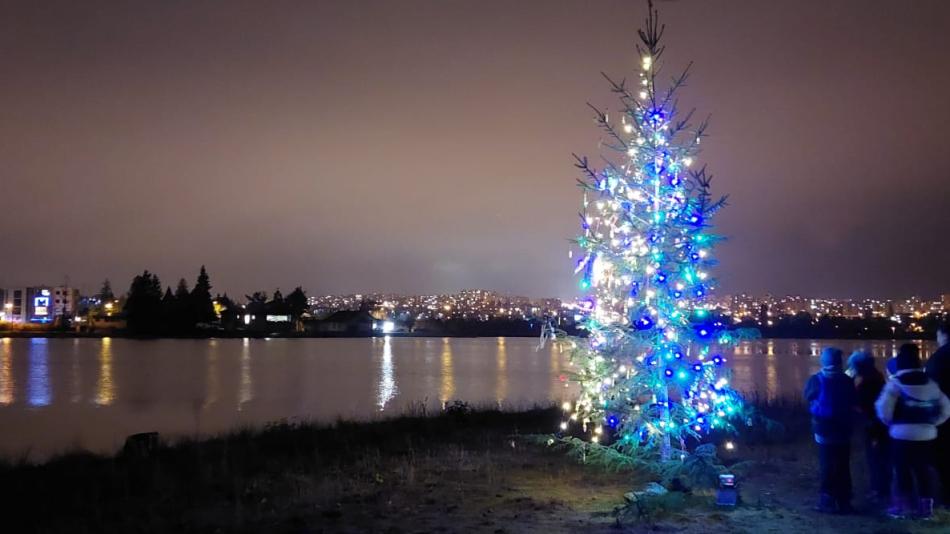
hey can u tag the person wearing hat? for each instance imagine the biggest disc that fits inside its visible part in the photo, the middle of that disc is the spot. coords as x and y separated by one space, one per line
912 406
868 384
831 400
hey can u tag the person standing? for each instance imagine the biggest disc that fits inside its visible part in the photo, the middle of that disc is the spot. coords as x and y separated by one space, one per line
831 399
912 406
868 384
938 369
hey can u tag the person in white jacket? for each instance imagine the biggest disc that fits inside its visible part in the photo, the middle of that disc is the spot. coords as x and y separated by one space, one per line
912 406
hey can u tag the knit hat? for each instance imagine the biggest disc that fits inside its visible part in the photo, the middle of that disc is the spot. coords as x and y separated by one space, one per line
908 357
831 357
861 360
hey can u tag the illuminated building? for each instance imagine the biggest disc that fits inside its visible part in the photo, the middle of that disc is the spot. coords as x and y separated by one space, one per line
40 304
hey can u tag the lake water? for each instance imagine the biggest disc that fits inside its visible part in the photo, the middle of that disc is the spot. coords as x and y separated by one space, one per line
58 394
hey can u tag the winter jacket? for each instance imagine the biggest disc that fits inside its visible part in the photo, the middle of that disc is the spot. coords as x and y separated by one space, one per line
912 406
831 400
867 387
938 368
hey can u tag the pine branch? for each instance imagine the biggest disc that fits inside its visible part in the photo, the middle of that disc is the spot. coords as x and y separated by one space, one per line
676 84
612 166
625 97
653 33
583 165
605 125
681 124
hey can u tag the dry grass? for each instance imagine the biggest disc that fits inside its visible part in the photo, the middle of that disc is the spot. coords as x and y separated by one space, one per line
460 471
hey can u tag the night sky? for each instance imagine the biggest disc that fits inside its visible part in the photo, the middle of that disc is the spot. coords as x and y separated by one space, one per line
425 147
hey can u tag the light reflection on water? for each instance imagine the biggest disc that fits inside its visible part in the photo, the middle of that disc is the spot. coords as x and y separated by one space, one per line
92 393
246 389
387 378
771 371
76 370
554 359
447 374
501 377
211 376
105 389
39 389
7 385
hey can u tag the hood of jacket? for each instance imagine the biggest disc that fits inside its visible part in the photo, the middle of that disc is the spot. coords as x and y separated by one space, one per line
915 383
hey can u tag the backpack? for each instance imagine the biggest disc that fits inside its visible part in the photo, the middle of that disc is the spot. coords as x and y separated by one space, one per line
826 406
913 411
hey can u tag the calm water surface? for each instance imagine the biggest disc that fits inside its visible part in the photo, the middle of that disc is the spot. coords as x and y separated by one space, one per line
57 394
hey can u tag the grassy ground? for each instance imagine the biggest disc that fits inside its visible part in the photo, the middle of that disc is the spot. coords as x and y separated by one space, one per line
456 472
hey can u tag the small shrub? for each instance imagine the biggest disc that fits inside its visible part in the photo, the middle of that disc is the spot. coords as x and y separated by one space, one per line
458 408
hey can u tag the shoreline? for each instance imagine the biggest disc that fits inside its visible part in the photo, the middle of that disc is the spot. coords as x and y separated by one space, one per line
460 470
16 334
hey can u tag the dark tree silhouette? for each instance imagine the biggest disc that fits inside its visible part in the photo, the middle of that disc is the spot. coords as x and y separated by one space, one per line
143 307
168 309
277 304
257 307
201 303
182 292
297 303
230 312
105 294
181 319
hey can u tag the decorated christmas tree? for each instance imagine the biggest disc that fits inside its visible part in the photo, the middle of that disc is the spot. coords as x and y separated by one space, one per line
650 370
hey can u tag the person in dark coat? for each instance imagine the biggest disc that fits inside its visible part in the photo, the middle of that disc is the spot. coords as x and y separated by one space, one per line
868 383
938 369
912 406
831 399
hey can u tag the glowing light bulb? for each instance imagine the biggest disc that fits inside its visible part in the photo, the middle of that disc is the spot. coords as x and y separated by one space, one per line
629 127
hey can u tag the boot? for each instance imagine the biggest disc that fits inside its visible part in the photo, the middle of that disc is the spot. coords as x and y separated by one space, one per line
900 508
925 509
826 504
